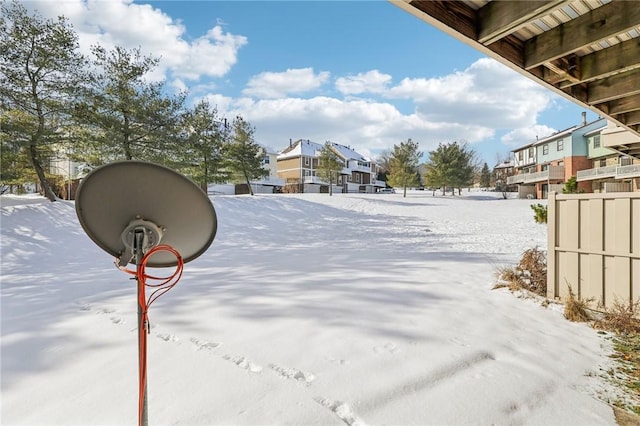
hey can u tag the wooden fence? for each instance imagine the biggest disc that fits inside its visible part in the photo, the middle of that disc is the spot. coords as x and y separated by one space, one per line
594 247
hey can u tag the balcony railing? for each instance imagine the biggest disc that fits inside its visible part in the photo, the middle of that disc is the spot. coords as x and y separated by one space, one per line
314 179
626 172
354 166
596 173
512 180
552 173
616 172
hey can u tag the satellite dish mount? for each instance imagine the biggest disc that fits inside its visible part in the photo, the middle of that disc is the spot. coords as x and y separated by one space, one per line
128 208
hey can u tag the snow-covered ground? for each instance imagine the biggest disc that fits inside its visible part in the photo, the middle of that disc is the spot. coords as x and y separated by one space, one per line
307 310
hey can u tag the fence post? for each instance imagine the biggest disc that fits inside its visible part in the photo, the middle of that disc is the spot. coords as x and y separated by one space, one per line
552 290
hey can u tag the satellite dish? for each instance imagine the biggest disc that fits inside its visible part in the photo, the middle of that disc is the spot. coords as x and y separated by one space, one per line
118 199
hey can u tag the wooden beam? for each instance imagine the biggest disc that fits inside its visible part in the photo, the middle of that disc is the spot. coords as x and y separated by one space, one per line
509 48
498 19
621 57
604 22
631 118
562 73
453 14
620 106
614 87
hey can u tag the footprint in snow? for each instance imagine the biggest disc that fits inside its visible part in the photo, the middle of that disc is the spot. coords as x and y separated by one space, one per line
292 373
167 337
342 410
117 320
244 363
205 345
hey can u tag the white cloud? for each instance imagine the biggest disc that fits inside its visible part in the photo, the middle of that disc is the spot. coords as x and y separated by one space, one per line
486 94
212 55
365 125
131 25
473 105
369 82
280 84
518 137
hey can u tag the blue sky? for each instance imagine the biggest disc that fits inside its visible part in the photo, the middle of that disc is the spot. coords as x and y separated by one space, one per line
362 73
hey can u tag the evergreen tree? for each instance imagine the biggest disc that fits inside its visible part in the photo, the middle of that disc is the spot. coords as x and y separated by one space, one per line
202 156
485 176
245 156
571 186
41 75
329 166
16 170
433 178
452 165
130 117
403 165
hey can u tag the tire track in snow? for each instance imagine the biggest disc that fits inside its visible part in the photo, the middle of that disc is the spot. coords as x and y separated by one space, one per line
428 381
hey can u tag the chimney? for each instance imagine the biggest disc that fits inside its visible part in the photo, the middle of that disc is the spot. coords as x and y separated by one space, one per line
289 142
584 118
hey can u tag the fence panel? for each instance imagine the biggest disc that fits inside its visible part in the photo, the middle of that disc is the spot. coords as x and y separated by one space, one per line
594 247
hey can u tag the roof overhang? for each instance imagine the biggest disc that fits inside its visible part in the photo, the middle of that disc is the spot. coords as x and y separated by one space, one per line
588 51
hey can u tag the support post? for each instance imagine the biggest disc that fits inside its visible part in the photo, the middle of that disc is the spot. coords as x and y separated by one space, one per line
552 285
142 331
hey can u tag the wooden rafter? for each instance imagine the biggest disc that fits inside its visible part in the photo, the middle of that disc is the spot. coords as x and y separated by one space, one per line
621 57
614 87
498 19
599 24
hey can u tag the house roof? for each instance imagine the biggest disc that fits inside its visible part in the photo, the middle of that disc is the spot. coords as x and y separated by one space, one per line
347 153
504 165
551 137
595 131
300 147
268 149
307 148
588 51
554 136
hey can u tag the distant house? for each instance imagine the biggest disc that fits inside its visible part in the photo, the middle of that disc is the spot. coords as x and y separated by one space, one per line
613 168
68 170
547 164
270 183
298 166
501 173
598 154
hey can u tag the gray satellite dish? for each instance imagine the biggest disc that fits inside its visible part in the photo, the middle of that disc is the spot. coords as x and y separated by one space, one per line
130 207
117 199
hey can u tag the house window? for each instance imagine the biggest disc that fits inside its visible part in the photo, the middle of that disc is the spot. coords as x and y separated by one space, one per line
545 149
520 155
561 163
266 159
596 141
603 163
560 145
349 178
530 152
545 167
626 161
306 161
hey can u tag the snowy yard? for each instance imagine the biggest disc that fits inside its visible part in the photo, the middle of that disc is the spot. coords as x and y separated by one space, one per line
307 310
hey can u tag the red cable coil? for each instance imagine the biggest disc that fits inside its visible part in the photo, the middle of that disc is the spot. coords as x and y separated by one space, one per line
166 284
